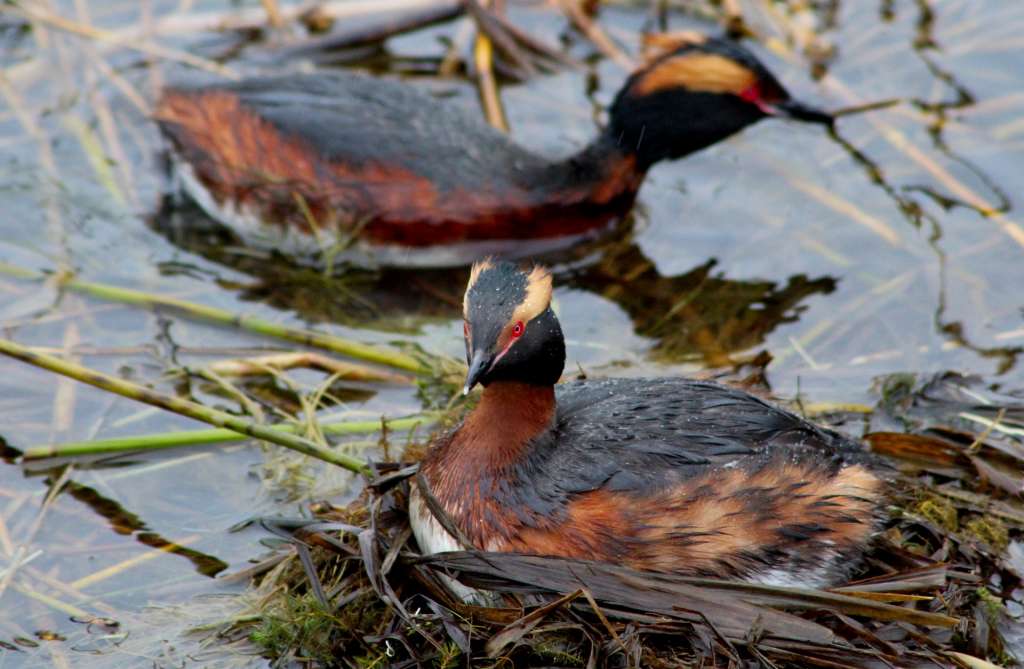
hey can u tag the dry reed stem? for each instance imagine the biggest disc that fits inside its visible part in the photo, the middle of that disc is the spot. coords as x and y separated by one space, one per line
1009 334
94 155
274 16
6 545
866 305
43 16
153 467
52 602
453 57
28 123
843 206
249 405
104 116
596 34
973 662
124 565
64 397
123 86
27 119
347 371
810 409
487 84
980 439
483 56
732 10
604 621
810 361
112 141
255 18
822 249
885 597
66 589
901 143
21 552
838 324
991 425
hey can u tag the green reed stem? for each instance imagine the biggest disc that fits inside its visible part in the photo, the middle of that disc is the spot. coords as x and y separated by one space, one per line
340 345
152 442
177 405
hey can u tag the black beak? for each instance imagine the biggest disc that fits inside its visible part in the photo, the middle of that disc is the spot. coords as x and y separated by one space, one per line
800 112
478 366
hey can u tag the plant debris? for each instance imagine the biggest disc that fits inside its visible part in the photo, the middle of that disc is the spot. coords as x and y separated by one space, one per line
932 591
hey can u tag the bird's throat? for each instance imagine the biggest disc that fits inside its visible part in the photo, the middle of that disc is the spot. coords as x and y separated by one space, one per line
496 433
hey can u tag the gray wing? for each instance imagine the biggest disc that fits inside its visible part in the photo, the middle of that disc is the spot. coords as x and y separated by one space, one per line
357 119
624 434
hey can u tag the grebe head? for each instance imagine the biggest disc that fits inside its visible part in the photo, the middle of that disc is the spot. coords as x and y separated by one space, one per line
511 332
693 91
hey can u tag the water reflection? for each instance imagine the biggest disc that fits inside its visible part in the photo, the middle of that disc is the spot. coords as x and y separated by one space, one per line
935 156
124 522
698 315
955 332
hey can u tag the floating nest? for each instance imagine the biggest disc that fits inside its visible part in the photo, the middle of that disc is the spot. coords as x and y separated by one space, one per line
352 590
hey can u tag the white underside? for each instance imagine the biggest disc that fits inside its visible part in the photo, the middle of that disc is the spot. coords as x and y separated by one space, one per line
246 222
821 576
432 538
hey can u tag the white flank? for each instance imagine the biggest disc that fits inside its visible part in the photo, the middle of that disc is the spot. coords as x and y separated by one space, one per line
432 538
820 576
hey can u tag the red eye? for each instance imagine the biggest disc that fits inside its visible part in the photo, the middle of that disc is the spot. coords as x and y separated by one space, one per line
517 329
465 329
751 94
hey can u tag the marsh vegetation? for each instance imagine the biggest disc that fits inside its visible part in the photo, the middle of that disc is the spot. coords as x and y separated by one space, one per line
867 277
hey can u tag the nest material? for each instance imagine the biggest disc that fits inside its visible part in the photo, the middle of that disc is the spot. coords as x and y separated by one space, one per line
930 593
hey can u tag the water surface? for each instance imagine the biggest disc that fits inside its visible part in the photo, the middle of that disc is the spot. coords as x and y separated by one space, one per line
893 246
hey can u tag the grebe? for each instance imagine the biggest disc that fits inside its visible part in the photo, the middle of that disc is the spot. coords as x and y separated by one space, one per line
663 474
306 162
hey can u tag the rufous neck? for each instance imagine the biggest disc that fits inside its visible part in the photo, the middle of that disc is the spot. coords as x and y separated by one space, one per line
517 409
498 431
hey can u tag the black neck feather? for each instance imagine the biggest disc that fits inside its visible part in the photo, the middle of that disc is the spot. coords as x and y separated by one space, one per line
669 124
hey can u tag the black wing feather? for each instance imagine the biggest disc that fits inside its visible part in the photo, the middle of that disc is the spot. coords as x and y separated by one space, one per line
644 434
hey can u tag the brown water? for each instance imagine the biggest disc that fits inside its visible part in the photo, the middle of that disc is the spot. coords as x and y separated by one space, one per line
894 246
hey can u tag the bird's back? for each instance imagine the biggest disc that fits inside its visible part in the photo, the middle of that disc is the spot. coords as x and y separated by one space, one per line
672 427
690 477
363 121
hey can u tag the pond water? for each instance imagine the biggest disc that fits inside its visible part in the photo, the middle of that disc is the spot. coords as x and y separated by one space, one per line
894 245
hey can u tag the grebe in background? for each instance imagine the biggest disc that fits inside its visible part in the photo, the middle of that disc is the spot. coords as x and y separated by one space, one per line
302 162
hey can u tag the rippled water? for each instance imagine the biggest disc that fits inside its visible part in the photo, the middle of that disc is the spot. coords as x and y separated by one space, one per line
894 245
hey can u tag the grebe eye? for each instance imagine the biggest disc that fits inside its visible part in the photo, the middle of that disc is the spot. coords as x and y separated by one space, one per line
517 329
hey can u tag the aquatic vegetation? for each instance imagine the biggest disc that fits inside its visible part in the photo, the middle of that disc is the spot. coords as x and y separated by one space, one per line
805 262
